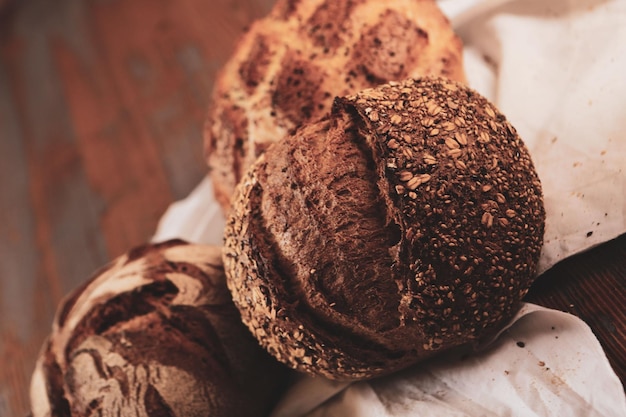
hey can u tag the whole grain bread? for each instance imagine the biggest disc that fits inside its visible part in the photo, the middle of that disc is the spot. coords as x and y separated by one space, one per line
407 222
287 69
154 333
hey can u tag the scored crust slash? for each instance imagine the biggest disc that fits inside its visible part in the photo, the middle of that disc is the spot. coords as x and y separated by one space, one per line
407 222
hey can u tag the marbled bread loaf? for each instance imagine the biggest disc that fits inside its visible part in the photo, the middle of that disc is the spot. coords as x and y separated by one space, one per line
155 333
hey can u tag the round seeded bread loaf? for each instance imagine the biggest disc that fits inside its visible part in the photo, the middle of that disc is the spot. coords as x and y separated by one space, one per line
154 333
289 66
407 222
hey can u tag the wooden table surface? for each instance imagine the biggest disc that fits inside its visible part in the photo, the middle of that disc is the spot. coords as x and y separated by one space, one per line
102 104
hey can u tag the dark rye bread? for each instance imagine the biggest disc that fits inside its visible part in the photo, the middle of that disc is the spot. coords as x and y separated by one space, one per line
407 222
154 333
288 67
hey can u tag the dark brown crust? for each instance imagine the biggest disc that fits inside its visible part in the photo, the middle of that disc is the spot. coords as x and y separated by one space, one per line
298 89
59 406
289 67
414 203
329 23
167 326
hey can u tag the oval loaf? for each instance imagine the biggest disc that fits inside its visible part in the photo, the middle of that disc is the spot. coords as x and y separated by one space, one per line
287 69
154 333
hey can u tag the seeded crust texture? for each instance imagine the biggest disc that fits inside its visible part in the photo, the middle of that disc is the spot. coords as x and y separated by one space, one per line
154 333
407 222
289 66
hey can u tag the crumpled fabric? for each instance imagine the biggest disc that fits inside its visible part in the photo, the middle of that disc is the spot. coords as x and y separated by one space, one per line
545 363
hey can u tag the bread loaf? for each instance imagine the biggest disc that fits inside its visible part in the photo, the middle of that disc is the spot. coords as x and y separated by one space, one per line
407 222
154 333
289 66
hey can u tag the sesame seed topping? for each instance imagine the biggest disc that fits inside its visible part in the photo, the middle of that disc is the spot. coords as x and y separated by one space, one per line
448 126
487 219
454 153
484 137
451 143
461 138
433 109
429 159
452 104
428 121
413 183
461 249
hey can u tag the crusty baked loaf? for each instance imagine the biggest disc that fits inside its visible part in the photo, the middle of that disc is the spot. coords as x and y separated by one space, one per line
407 222
289 67
154 333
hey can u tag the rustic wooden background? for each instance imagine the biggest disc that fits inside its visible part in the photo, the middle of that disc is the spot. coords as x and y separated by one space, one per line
102 104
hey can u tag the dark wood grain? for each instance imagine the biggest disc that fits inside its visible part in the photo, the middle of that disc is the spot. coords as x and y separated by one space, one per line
102 104
592 286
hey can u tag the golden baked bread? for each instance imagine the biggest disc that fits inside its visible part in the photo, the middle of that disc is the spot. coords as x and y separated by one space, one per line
154 333
407 222
289 66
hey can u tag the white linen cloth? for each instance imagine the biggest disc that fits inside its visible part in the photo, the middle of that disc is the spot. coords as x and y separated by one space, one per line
557 70
547 363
